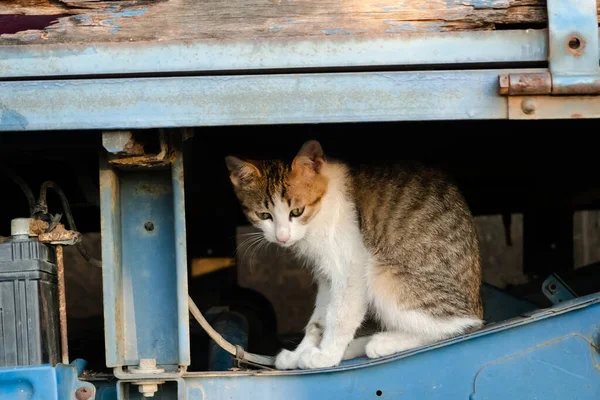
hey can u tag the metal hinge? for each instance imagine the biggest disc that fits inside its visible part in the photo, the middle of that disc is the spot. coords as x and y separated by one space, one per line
573 67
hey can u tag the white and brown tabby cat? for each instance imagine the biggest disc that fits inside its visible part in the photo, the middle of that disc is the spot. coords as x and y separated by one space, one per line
396 241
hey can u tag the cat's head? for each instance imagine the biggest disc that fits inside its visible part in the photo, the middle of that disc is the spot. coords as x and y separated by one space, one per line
281 198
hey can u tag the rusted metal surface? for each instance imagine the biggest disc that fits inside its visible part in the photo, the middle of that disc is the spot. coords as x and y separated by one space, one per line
37 227
127 153
525 83
60 236
553 107
122 143
62 305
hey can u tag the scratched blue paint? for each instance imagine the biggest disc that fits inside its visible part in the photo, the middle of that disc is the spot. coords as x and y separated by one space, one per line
83 18
328 51
130 13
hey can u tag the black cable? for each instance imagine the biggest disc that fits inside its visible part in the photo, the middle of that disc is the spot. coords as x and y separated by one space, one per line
24 187
42 206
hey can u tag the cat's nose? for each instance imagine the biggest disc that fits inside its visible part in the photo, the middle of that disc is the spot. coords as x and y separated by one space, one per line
283 238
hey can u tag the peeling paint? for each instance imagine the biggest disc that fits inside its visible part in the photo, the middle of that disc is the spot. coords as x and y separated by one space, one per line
275 28
130 13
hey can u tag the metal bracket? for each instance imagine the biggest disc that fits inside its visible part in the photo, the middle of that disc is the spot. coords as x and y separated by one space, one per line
573 54
556 290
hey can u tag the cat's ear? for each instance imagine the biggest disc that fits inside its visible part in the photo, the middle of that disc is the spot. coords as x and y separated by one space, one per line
310 156
241 171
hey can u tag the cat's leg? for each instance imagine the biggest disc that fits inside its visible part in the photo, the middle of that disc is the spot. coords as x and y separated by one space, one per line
312 333
345 313
417 329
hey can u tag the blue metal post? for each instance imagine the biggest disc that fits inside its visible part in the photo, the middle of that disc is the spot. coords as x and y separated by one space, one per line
144 263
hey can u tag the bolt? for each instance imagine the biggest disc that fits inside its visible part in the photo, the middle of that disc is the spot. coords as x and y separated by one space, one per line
83 393
528 106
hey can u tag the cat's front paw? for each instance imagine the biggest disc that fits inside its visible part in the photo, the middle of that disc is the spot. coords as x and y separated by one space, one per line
287 359
317 358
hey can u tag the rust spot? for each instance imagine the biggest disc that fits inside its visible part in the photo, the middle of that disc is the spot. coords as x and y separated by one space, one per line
577 115
37 227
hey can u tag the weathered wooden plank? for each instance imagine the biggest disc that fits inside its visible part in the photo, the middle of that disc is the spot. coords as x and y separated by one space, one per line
167 20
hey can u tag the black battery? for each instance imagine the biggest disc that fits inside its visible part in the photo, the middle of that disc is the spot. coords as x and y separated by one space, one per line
29 321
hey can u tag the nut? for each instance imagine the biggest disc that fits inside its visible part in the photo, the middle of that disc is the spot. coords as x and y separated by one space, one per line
148 389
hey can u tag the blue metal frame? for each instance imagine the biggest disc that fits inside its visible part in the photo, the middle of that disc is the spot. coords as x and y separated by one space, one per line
400 49
145 266
255 99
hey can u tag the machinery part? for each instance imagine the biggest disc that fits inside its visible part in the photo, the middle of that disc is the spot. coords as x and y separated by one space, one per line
556 290
62 305
144 270
19 227
572 55
147 387
29 323
42 209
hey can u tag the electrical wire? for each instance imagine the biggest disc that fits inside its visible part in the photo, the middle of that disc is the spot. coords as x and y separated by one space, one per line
23 185
236 351
42 206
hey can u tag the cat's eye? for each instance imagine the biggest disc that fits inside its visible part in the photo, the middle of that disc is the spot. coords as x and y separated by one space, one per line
264 216
296 212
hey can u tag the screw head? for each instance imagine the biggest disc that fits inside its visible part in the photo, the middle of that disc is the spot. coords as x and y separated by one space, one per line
84 393
528 106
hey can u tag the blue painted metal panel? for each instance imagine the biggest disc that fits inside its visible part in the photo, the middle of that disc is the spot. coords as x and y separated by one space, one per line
235 55
144 266
41 382
552 354
573 46
253 99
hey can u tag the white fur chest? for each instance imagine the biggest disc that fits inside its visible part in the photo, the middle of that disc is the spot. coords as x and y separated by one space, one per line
333 245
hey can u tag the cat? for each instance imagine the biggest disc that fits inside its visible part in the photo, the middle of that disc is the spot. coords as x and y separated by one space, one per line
396 241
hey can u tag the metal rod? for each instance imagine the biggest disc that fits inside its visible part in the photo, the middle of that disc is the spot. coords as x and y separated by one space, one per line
62 305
